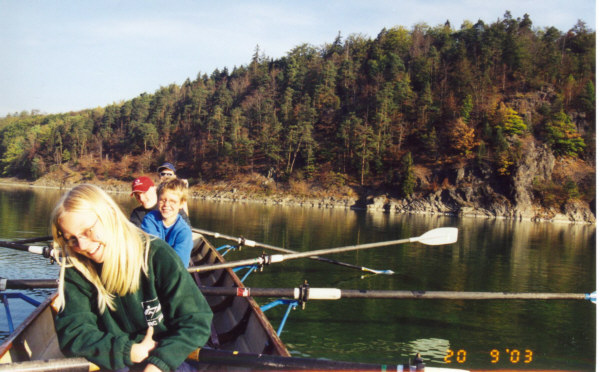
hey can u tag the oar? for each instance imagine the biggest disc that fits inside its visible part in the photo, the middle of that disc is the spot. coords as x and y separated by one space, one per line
224 358
252 243
439 236
309 293
43 250
218 360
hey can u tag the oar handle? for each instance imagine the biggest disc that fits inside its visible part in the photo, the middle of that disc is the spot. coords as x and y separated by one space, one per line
43 250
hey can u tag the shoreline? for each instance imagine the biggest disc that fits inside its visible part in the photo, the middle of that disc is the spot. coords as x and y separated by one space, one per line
377 205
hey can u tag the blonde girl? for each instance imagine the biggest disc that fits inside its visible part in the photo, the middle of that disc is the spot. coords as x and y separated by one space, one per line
125 299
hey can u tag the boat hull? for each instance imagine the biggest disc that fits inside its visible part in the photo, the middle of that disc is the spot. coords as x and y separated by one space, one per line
238 323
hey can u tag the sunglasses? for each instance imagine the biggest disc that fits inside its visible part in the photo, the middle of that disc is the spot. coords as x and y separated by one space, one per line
162 174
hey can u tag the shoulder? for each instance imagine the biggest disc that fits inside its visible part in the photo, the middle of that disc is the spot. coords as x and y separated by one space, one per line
153 216
182 227
181 224
75 278
162 255
158 246
159 249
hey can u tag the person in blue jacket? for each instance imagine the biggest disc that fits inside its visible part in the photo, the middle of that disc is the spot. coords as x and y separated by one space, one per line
125 300
166 222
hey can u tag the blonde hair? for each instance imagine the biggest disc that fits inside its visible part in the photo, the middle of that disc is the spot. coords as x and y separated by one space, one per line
125 246
174 185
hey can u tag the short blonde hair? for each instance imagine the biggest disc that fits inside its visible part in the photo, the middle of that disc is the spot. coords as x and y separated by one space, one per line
125 246
175 185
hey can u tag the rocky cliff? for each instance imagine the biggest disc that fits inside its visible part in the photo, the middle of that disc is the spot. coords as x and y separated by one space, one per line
472 192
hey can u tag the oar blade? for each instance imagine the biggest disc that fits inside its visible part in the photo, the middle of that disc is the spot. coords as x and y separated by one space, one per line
439 236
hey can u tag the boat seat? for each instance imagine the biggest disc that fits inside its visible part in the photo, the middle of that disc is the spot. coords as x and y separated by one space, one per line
209 279
203 255
217 303
232 316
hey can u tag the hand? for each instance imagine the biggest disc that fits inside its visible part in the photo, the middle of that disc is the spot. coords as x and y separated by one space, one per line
139 352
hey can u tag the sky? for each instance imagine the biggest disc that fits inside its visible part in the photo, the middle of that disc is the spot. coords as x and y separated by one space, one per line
70 55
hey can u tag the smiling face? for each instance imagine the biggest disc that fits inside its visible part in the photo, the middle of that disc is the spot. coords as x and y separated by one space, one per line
169 204
82 232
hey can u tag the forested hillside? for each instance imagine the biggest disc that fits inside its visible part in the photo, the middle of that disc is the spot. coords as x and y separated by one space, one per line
400 112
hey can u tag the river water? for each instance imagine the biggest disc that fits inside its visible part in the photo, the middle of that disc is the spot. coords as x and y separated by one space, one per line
490 255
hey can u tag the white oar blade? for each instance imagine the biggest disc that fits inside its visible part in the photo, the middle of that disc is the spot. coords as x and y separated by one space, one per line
439 236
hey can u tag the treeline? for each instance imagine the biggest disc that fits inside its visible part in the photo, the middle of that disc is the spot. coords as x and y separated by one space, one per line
357 110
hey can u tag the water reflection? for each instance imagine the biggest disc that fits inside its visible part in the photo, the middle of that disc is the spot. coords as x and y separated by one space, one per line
490 255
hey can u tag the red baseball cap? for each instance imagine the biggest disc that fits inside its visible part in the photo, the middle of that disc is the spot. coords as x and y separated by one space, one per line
141 184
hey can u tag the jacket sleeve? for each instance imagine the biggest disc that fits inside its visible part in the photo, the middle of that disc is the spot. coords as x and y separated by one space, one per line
78 331
187 315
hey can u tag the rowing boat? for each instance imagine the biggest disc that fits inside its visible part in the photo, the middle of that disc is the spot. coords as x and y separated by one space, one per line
238 323
241 335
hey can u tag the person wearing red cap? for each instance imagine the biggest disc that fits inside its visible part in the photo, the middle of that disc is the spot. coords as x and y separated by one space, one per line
144 191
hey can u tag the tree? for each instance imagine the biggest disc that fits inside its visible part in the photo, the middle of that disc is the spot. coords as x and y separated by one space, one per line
562 135
300 135
466 109
145 133
462 138
509 120
408 179
363 147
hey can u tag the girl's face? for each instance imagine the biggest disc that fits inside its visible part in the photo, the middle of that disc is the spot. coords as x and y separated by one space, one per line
82 232
169 204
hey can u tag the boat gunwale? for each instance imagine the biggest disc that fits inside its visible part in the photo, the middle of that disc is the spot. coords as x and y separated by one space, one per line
46 305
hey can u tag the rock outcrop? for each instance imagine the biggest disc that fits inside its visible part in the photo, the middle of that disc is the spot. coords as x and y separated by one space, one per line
472 194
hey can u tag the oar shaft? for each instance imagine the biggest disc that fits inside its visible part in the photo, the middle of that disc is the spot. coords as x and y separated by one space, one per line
34 240
27 283
455 295
225 265
335 293
226 358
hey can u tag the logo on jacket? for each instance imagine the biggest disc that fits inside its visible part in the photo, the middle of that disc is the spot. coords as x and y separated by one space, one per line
152 312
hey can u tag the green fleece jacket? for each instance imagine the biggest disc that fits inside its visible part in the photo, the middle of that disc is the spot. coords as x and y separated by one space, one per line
167 300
